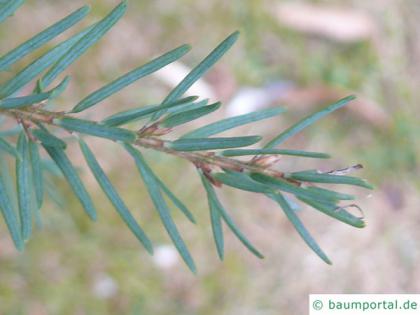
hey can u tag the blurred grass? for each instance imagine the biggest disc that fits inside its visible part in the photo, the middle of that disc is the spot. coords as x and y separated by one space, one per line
66 261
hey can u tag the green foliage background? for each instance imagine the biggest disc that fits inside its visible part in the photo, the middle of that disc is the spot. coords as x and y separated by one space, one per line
64 264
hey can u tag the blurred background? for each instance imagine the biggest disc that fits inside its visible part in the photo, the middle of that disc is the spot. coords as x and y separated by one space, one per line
298 54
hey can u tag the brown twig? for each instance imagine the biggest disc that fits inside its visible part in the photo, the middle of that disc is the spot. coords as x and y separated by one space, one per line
150 140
